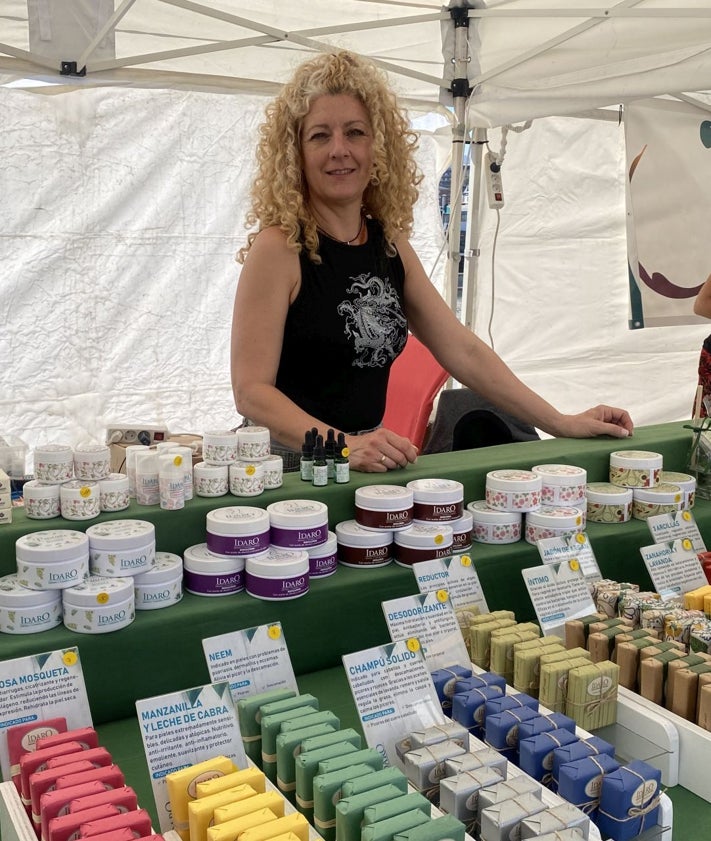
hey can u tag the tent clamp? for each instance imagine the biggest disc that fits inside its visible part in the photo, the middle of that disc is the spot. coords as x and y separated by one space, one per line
460 87
460 16
69 68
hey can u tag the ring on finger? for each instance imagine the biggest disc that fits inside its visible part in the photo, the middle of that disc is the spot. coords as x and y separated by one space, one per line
382 458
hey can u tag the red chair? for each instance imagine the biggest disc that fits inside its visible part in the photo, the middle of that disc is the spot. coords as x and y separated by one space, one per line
415 380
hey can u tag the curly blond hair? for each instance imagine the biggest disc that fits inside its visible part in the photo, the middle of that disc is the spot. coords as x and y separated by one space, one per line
279 194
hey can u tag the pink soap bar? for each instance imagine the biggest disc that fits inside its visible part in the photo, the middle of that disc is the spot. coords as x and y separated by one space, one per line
24 738
110 775
69 826
43 781
36 760
124 834
98 757
57 802
124 798
139 822
86 736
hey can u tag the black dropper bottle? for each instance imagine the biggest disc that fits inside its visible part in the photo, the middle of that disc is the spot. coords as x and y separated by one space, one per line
330 450
320 471
307 457
342 467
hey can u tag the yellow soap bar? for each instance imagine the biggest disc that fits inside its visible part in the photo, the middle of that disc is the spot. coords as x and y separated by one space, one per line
245 776
271 800
694 599
231 830
295 823
181 788
201 810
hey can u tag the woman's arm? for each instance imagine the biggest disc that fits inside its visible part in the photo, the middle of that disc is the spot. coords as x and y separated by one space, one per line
268 283
474 364
702 303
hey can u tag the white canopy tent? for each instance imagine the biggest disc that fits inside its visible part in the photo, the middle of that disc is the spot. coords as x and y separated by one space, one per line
128 132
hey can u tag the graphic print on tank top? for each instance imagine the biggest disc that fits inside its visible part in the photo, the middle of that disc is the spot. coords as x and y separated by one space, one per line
374 321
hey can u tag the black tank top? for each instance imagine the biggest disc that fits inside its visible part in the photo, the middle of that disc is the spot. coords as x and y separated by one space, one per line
343 332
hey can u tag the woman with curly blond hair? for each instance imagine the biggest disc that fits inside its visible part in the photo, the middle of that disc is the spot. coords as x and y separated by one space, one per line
331 285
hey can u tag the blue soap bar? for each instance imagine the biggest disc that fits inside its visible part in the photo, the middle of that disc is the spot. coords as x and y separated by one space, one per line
629 801
592 746
535 753
468 707
544 723
579 782
509 702
444 682
501 729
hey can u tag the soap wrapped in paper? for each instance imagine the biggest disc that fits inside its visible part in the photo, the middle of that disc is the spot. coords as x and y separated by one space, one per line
629 801
592 694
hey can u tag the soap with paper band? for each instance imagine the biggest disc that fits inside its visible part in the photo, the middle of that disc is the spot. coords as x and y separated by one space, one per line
425 767
201 810
629 801
502 821
476 759
580 781
590 746
441 828
459 796
244 776
501 730
350 809
295 823
377 812
535 753
271 727
326 794
468 709
231 830
271 800
555 819
513 787
288 745
385 830
306 767
181 786
444 681
248 713
388 776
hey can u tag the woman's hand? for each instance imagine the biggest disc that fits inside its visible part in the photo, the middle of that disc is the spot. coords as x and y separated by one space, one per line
380 451
600 420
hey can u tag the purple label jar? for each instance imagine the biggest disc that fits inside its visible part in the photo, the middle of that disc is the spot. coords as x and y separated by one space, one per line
277 574
298 523
207 574
237 530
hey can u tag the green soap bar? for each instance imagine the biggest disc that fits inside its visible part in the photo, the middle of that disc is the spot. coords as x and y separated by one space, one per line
307 768
388 776
368 756
316 717
350 810
326 792
403 803
248 710
436 829
284 704
348 734
287 748
385 830
271 727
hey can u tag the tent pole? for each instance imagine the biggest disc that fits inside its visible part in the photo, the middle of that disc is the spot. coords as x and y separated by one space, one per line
472 250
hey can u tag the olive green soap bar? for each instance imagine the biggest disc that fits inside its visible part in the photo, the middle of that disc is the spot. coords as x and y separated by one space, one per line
307 767
327 789
390 808
388 776
347 734
436 829
367 756
271 727
385 830
249 721
350 810
288 746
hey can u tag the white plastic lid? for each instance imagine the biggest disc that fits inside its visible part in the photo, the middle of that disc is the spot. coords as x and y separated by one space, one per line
462 524
98 450
40 490
685 482
255 433
276 562
199 559
167 567
513 480
560 474
220 437
79 489
436 490
211 471
553 516
662 493
481 513
54 453
425 536
636 459
297 513
53 545
606 493
114 482
247 468
350 533
98 591
323 550
384 497
121 534
237 520
14 596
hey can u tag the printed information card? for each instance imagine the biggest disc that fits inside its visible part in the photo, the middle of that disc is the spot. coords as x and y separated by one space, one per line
430 617
48 685
674 567
394 694
574 547
184 728
457 575
679 525
558 593
253 660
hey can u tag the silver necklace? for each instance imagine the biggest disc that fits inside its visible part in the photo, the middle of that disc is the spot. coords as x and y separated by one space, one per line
344 241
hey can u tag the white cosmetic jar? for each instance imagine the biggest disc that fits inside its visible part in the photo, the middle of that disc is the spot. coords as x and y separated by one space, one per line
99 605
563 484
24 611
211 479
273 472
436 500
513 490
277 574
114 494
361 547
462 530
118 548
635 468
386 507
54 463
608 503
92 461
219 447
41 500
662 499
553 521
253 443
237 530
422 542
79 500
208 574
161 586
493 526
246 478
323 559
52 560
686 483
298 523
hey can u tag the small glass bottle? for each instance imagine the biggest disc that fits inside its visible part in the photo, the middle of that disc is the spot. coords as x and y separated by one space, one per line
320 469
342 468
330 450
307 457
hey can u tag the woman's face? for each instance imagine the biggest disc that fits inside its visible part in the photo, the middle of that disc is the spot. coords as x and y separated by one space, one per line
337 149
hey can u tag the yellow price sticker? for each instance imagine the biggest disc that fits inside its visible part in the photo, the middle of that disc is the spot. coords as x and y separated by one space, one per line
345 452
274 632
177 461
686 543
574 565
442 595
102 598
580 538
85 492
413 644
69 658
687 516
465 561
438 539
250 470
